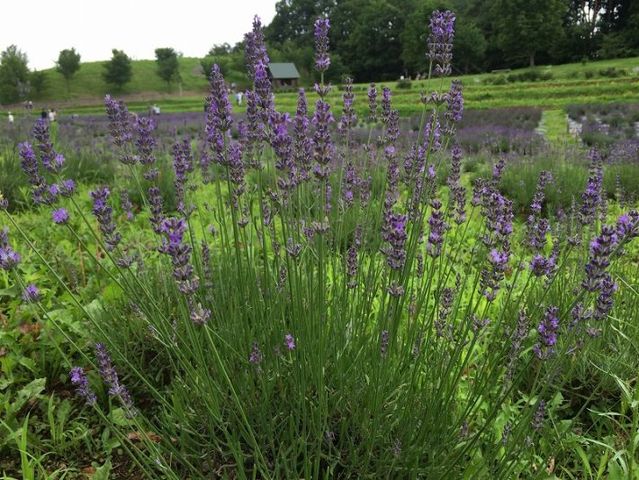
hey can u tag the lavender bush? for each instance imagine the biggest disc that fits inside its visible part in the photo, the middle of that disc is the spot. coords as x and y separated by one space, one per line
315 307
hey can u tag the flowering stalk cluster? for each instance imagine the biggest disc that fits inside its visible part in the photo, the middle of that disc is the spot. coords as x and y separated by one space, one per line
322 60
104 214
547 330
179 251
109 376
440 41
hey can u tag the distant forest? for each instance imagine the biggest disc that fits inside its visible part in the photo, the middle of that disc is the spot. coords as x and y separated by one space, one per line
384 39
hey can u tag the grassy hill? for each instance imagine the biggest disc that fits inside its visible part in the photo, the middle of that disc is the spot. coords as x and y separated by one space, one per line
593 82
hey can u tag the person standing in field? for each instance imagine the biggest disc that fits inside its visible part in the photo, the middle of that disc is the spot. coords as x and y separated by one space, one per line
10 118
238 97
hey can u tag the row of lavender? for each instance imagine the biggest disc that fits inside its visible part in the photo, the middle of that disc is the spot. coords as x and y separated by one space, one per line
320 306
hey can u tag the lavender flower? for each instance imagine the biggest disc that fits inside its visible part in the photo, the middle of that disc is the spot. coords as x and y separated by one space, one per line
156 207
31 294
29 165
455 105
517 337
256 357
592 196
302 142
540 265
491 277
601 248
104 214
182 166
440 41
383 343
174 246
67 188
255 48
437 229
386 104
604 302
458 192
372 103
219 116
60 216
323 145
9 258
445 305
120 127
322 60
82 388
395 234
289 341
51 160
539 416
125 203
547 330
144 141
349 118
110 377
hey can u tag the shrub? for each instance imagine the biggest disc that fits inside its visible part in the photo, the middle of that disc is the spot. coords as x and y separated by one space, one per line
404 84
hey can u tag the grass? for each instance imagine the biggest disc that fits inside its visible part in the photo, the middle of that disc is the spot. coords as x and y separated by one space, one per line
554 127
568 86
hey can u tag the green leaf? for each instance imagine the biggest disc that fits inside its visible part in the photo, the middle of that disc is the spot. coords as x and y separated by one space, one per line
103 472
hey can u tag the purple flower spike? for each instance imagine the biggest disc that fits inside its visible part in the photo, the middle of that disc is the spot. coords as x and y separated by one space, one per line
104 214
547 330
322 60
289 341
256 357
9 258
110 377
60 216
31 294
81 382
440 41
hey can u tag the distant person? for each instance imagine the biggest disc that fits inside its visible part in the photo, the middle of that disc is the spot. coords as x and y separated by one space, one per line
30 106
52 115
43 114
10 118
238 97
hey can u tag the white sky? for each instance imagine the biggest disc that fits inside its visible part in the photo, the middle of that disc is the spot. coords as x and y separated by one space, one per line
41 28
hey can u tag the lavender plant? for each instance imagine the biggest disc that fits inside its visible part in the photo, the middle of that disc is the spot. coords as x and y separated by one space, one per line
316 307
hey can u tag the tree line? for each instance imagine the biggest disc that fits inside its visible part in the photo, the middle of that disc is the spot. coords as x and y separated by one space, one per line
17 82
384 39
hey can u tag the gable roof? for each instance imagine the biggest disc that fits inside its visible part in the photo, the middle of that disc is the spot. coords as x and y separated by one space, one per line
283 70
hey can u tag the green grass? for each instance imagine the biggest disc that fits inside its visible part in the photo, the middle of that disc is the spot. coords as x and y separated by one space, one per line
569 85
554 127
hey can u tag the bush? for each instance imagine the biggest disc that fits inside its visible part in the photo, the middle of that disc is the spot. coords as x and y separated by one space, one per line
404 84
612 72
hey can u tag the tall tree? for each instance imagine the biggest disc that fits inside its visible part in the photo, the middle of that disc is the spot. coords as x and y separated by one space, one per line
372 47
14 75
118 71
168 65
68 64
525 28
39 82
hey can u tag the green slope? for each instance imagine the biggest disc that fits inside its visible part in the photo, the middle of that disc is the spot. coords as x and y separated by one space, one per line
570 83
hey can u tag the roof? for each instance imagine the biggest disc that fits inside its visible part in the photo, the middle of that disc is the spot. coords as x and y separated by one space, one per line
283 70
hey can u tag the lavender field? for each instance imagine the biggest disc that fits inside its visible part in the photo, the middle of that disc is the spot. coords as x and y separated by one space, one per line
324 294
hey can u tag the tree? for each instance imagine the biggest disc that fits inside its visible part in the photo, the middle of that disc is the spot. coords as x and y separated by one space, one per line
168 65
525 28
14 75
68 64
117 71
39 82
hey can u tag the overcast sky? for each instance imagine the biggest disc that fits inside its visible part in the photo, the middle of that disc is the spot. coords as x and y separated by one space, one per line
41 28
